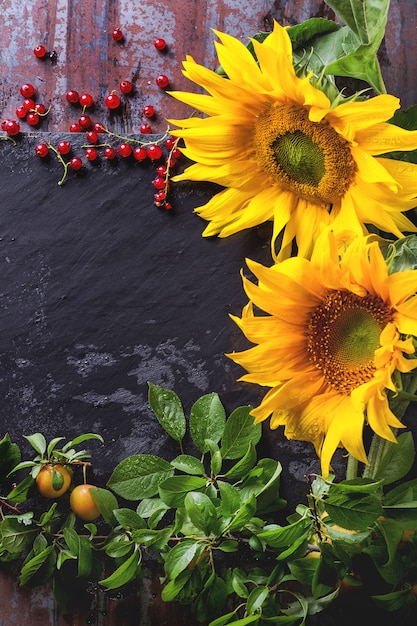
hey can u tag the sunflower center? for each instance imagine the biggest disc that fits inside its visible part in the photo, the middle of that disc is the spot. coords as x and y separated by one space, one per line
342 336
309 158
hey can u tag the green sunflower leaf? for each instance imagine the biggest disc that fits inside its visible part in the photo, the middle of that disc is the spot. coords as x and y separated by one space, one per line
398 460
168 409
366 19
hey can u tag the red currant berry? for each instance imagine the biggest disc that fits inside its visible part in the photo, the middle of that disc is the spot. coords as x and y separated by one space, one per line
162 81
158 182
176 153
160 196
75 128
98 127
171 161
145 129
91 154
126 86
11 127
76 164
40 108
33 118
64 147
92 136
29 104
86 100
110 153
148 111
42 150
169 143
154 152
168 206
161 170
27 90
4 124
112 101
117 34
85 122
21 112
72 96
125 150
160 44
140 153
39 51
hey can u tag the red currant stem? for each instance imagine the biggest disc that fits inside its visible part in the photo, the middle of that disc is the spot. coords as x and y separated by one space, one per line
8 138
41 114
141 143
61 160
167 173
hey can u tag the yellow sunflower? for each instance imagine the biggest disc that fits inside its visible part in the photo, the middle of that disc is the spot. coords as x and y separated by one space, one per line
284 152
334 333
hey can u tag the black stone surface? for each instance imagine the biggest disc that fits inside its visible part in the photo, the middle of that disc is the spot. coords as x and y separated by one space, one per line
101 292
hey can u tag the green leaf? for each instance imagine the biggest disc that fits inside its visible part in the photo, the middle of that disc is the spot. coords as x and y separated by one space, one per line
52 445
118 548
129 519
230 498
227 618
15 536
123 574
38 442
353 512
20 493
9 456
244 514
207 420
30 568
157 539
402 253
402 494
181 556
287 539
174 489
366 19
201 511
153 509
239 431
106 502
256 599
168 409
189 465
173 589
397 460
139 476
80 439
211 599
244 465
395 600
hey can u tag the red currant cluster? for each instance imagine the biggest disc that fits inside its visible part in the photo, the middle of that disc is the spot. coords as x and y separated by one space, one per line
29 111
162 152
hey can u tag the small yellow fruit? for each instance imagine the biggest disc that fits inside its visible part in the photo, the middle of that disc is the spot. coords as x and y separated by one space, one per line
53 480
82 503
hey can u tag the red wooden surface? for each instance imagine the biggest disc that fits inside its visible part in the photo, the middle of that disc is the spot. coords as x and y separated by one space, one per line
88 60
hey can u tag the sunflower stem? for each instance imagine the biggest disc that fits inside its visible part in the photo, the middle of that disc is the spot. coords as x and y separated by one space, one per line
379 446
351 468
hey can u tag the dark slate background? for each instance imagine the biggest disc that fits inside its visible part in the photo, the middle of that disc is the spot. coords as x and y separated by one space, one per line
101 292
